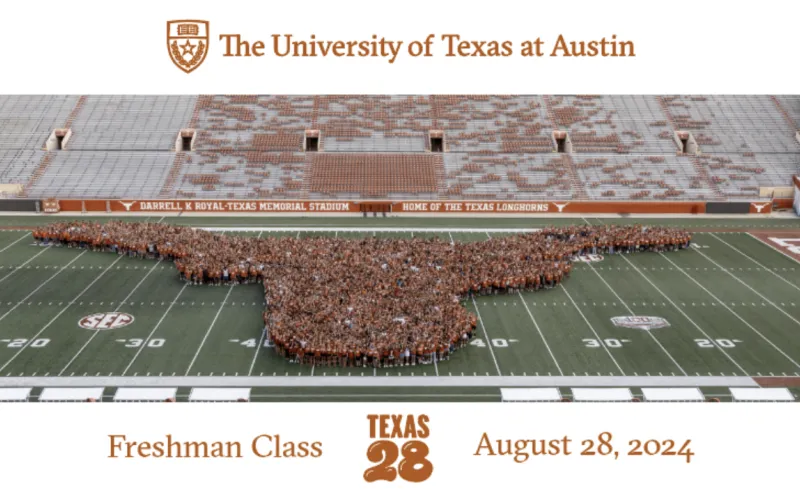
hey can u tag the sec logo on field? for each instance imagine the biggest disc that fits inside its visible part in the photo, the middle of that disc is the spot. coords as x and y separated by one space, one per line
105 321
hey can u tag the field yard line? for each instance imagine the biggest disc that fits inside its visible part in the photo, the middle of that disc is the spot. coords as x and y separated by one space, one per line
451 238
210 327
680 310
382 383
139 351
773 304
260 342
40 286
69 304
723 304
593 331
488 342
258 348
634 314
759 263
540 332
94 334
15 242
489 235
22 265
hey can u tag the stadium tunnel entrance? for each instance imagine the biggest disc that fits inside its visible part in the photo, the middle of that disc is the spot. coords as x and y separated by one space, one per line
375 208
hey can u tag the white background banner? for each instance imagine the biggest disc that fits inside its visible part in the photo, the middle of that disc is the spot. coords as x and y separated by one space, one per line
739 450
682 46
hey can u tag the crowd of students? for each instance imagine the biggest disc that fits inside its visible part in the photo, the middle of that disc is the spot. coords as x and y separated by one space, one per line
368 302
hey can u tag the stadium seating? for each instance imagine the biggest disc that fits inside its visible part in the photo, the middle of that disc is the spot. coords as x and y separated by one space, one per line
400 147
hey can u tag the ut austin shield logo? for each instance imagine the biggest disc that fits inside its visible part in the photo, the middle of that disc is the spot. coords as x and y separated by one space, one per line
187 43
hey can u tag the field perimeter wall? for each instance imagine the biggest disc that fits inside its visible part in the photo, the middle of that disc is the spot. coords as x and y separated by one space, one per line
414 207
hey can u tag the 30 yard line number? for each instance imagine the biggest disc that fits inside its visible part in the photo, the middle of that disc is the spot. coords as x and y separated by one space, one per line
495 342
612 343
134 343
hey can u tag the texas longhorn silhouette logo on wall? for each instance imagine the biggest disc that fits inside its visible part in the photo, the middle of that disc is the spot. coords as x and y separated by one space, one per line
187 43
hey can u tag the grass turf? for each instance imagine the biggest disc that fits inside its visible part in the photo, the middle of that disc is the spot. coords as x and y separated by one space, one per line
732 303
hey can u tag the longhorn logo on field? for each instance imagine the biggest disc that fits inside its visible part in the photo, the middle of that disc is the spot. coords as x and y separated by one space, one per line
105 321
127 205
560 206
759 206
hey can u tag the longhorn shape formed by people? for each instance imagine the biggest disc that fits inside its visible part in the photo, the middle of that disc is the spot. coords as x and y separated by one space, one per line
379 302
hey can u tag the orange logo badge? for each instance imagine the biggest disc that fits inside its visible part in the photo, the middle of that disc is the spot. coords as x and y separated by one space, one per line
187 43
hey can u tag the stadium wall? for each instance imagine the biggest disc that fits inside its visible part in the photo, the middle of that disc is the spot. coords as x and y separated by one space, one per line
19 205
728 208
413 207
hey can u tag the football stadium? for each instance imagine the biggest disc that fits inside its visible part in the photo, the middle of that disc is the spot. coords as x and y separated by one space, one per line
399 248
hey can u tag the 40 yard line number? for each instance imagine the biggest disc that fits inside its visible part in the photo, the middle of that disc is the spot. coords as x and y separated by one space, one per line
495 342
250 343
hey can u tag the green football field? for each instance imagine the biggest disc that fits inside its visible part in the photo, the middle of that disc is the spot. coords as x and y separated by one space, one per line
729 309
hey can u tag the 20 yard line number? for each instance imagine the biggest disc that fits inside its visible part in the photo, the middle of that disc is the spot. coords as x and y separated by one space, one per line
20 343
723 343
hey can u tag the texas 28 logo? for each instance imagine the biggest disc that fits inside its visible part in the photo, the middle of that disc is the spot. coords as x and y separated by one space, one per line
398 437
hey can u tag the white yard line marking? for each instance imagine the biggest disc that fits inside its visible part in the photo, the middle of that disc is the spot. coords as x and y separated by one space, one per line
773 304
451 238
634 314
260 342
210 327
488 342
23 264
680 310
723 304
139 351
94 334
15 242
161 219
759 263
40 286
258 349
69 304
540 332
600 340
488 235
